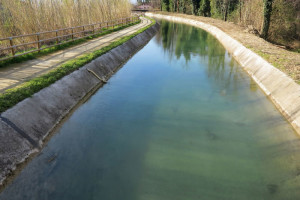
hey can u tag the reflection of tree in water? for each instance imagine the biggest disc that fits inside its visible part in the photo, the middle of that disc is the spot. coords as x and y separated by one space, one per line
180 39
184 40
187 41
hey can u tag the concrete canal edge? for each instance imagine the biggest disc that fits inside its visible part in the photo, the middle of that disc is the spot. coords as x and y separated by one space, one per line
280 88
24 127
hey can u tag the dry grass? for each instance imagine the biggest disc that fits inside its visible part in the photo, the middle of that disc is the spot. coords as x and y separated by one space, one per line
18 17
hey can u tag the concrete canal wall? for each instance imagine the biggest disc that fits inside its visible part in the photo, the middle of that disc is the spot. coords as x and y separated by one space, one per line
280 88
24 127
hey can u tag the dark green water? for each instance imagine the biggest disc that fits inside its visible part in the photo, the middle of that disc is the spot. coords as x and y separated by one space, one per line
180 121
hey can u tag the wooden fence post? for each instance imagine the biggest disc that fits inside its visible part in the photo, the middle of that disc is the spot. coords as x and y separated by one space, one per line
38 41
56 35
12 46
72 33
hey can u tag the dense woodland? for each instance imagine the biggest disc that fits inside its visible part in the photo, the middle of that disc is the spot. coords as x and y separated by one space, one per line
275 20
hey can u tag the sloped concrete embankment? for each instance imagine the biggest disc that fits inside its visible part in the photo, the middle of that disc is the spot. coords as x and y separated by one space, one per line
280 88
24 127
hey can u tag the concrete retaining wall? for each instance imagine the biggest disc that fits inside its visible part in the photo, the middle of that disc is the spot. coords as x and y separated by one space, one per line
281 89
24 127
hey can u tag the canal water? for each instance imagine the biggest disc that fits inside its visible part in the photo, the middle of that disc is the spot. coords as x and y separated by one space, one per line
180 121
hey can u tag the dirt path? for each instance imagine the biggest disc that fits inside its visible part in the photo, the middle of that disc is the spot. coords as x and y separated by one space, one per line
287 61
16 74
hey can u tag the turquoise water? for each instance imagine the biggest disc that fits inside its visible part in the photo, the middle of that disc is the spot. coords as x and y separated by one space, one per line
180 121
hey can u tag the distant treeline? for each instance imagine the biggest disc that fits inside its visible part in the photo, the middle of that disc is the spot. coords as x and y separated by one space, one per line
156 4
275 20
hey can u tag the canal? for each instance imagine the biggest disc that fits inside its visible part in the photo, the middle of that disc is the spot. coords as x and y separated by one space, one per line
180 121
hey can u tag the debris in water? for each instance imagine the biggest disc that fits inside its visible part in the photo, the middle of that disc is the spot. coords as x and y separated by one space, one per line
298 171
272 188
240 123
211 135
175 109
52 158
223 93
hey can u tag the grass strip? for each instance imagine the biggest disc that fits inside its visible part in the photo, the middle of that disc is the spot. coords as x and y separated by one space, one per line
49 50
13 96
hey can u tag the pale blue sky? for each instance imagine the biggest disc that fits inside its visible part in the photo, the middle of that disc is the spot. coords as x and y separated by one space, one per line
133 1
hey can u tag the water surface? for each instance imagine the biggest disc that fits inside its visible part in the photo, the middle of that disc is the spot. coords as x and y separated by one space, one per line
180 121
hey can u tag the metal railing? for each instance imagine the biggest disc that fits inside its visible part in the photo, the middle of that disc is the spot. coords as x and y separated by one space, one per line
11 47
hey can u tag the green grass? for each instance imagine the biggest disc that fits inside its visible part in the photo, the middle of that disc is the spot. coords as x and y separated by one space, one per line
13 96
49 50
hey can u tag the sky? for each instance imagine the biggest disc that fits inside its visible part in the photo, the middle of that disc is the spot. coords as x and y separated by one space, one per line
133 1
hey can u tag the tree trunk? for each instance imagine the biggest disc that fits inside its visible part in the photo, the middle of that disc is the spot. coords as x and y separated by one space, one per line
225 7
196 6
240 8
267 17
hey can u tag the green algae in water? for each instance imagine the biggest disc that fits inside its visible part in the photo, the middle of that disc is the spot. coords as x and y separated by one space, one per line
180 120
